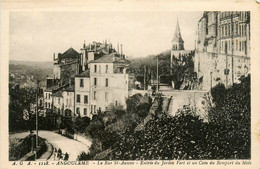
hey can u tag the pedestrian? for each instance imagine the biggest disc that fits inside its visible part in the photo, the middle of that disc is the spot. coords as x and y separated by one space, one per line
59 153
55 153
66 157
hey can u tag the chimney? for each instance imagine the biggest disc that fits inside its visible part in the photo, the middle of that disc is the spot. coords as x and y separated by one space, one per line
89 46
121 50
53 56
117 47
84 45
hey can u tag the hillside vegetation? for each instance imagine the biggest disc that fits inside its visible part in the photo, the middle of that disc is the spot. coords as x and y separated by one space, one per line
184 136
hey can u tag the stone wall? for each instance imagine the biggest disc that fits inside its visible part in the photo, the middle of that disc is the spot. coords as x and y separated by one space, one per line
210 68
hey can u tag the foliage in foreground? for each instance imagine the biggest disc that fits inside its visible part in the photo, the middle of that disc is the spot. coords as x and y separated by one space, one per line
185 136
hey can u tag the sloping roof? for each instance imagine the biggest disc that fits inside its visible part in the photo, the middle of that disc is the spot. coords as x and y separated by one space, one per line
83 74
69 88
111 58
57 94
70 53
177 35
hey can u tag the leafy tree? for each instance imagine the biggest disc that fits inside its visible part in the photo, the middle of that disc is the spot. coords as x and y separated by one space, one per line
185 136
232 111
81 123
20 99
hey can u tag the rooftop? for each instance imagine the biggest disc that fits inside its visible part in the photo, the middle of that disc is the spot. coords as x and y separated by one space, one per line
83 74
177 35
111 58
70 88
70 53
57 94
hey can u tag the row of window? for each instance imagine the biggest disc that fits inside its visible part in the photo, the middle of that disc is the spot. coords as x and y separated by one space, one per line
95 82
95 96
47 105
98 69
226 30
78 97
78 111
85 110
242 15
47 95
85 99
238 45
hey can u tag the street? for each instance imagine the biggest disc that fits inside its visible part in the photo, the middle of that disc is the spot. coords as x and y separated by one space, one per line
72 147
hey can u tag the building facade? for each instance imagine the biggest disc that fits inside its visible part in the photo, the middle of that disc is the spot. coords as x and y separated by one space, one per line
85 83
82 94
223 48
108 82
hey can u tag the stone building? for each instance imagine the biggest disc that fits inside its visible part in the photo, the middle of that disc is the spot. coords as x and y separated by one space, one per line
83 83
65 67
82 94
108 81
94 51
223 48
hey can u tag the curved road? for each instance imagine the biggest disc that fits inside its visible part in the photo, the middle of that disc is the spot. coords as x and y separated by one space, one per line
72 147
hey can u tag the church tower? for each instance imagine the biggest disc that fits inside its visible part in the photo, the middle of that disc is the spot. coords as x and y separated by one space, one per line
177 45
177 41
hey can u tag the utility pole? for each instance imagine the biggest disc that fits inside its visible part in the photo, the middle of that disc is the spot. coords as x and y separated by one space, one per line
226 71
144 77
37 136
232 48
210 80
157 74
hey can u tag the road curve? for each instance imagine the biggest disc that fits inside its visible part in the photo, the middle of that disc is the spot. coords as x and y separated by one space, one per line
72 147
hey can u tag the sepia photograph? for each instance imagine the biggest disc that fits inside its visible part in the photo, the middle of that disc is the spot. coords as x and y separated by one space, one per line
129 85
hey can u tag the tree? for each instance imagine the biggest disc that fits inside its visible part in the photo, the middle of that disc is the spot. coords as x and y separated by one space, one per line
81 123
20 100
232 111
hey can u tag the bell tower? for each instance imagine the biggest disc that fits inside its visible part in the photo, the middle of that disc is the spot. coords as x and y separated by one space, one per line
177 44
177 41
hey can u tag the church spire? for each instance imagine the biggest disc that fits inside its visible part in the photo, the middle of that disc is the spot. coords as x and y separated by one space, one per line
177 30
177 39
177 35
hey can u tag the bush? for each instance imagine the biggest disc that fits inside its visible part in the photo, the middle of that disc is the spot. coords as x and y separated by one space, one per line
83 156
185 136
232 111
80 124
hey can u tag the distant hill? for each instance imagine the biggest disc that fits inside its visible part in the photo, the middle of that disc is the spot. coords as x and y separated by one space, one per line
137 64
26 73
42 65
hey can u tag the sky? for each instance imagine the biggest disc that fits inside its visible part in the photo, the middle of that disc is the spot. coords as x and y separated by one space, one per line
35 36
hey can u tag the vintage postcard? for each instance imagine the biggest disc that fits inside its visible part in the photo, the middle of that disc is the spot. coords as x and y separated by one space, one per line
136 84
